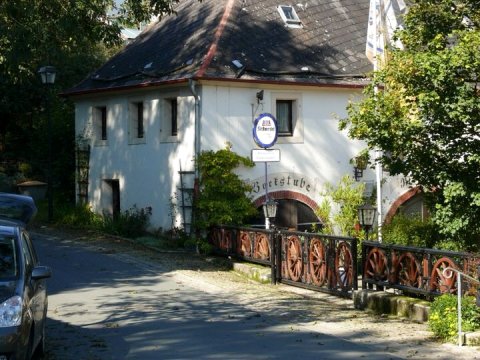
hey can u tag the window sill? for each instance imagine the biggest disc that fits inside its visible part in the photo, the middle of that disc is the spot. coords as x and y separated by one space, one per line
169 139
137 141
100 143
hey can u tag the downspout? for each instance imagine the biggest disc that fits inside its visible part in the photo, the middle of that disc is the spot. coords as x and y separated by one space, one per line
196 186
192 84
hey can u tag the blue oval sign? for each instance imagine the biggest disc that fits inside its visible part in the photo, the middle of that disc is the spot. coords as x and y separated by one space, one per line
265 130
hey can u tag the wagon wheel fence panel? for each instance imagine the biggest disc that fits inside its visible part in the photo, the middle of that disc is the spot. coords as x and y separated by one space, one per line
222 239
318 262
329 263
414 270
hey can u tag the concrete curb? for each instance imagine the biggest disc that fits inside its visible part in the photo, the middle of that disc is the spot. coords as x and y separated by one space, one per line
254 272
472 339
387 303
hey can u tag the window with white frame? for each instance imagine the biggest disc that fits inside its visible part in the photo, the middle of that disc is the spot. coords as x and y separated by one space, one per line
170 123
287 110
285 117
100 125
289 16
173 117
137 123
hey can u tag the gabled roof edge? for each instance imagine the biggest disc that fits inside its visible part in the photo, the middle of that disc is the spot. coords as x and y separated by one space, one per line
358 84
218 34
123 88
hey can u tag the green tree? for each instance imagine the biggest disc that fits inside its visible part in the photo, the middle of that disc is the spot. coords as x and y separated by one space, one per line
73 36
426 116
223 196
338 210
411 230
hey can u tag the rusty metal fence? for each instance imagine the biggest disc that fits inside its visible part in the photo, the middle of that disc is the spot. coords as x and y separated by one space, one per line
329 263
317 262
415 270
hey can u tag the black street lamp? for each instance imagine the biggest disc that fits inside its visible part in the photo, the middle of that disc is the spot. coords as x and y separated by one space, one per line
366 217
47 74
270 210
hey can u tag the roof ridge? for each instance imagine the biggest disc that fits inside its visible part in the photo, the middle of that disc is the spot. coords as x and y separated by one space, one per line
218 34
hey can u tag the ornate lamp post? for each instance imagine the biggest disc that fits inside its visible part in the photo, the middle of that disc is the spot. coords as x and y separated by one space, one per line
270 211
366 217
47 74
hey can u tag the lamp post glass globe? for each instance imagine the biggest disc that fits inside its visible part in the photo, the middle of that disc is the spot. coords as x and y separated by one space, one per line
270 208
47 74
366 217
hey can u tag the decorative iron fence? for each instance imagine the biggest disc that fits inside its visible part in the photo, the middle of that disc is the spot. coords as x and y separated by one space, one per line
314 261
415 270
318 262
252 245
329 263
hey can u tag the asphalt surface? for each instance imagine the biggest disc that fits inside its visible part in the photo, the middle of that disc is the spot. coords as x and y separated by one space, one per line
111 301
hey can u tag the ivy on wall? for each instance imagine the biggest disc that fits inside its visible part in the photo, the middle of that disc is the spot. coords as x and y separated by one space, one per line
223 198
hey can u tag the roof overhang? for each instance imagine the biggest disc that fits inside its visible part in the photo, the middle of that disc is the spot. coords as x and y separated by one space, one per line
358 82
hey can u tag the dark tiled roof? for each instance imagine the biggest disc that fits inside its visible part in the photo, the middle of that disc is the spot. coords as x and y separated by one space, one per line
203 39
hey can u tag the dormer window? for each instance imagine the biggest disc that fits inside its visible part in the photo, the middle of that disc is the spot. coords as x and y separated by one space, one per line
289 16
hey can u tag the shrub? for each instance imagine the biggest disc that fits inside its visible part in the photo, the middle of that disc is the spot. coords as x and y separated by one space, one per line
78 216
410 230
223 197
443 320
130 223
338 209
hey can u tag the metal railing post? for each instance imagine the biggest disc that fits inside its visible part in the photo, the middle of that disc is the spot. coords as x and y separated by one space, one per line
273 257
279 257
459 304
355 263
448 273
478 289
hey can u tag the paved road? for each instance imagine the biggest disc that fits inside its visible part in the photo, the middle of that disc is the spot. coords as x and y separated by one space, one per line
106 304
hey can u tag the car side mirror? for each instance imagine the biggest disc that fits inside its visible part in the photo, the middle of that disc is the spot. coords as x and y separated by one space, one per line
41 272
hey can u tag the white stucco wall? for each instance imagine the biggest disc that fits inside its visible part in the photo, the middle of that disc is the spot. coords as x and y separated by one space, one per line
148 172
320 154
323 153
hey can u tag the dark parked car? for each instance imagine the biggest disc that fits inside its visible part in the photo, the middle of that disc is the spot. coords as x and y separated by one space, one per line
23 292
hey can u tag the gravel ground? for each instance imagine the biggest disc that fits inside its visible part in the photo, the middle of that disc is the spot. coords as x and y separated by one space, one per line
303 309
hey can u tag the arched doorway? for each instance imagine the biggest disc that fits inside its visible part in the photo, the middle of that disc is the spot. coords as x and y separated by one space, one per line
291 214
411 203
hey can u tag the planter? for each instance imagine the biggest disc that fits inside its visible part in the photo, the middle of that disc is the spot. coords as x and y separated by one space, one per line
36 189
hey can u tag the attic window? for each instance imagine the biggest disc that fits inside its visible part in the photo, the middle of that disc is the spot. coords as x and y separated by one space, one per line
289 16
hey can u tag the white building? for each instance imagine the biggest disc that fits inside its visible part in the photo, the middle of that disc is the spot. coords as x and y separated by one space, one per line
198 79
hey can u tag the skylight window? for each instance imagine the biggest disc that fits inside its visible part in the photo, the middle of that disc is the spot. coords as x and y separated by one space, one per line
289 16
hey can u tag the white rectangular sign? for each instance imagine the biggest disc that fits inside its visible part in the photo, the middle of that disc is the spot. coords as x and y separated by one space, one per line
265 155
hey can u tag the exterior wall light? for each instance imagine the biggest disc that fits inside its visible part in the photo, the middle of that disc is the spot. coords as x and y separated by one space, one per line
47 74
359 164
270 209
366 217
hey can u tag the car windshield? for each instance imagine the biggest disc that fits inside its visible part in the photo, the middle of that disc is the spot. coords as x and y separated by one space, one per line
8 259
